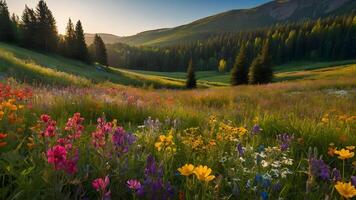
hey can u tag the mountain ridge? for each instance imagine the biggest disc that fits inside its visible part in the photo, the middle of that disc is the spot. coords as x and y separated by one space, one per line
236 20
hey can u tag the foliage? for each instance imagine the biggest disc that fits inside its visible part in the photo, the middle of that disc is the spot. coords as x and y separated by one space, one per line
191 81
327 39
239 73
98 50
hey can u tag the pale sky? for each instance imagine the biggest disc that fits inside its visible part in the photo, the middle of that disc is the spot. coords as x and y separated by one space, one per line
128 17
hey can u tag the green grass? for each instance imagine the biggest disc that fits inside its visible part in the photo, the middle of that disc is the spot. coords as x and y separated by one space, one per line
32 66
291 71
295 105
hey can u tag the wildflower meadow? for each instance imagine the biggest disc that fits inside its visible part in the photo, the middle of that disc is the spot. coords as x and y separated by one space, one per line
131 144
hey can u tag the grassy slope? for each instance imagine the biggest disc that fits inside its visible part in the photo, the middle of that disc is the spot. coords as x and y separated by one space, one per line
292 71
32 66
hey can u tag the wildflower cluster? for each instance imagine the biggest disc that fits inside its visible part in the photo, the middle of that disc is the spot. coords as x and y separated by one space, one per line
194 140
202 173
319 170
230 133
153 186
166 143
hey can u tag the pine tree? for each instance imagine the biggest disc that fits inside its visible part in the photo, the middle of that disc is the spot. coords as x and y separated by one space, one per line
261 68
70 39
191 81
239 73
46 29
98 51
28 28
7 32
81 50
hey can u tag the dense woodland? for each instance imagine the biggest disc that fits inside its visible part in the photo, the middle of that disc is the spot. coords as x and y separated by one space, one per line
36 29
331 38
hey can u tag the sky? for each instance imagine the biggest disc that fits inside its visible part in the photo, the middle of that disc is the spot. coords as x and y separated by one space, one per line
128 17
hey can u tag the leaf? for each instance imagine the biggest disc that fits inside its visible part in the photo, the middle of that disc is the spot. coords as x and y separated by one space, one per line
27 171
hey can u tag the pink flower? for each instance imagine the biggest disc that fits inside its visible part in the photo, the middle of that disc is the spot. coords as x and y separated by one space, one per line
101 185
133 184
57 155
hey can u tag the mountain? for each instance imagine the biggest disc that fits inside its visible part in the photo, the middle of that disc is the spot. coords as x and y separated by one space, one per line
107 38
271 13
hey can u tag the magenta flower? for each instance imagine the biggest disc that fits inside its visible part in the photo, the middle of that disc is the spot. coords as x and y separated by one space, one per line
133 184
57 155
101 185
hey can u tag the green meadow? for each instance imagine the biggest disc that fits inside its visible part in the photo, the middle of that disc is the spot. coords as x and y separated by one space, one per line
307 106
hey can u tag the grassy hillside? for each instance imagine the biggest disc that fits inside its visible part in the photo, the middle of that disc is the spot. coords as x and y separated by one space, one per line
34 67
243 20
292 71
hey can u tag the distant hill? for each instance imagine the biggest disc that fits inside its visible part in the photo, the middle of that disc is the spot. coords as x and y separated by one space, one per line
278 11
107 38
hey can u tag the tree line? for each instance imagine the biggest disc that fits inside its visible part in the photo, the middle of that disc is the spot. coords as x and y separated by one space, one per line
330 38
36 29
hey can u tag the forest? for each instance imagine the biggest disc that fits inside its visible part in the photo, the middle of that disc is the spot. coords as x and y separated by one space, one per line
325 39
37 29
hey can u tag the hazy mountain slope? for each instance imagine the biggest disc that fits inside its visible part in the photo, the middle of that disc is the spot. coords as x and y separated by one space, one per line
107 38
268 14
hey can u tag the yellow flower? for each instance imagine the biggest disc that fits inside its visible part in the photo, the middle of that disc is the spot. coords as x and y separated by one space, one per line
203 173
165 143
344 154
186 170
345 189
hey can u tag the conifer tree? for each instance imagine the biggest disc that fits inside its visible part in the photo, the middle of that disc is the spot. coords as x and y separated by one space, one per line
70 39
98 51
46 29
191 81
28 28
7 32
81 50
239 73
261 68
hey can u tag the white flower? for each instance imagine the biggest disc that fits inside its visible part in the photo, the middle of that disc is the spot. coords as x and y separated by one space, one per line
287 161
264 163
276 164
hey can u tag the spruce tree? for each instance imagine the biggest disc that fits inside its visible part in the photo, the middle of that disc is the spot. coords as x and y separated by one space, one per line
81 50
7 32
191 81
239 73
70 40
98 51
28 28
46 29
261 68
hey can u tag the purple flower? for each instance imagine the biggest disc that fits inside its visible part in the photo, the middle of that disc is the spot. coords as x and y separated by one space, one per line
256 129
240 149
335 175
133 184
319 169
284 141
153 186
353 180
277 187
122 140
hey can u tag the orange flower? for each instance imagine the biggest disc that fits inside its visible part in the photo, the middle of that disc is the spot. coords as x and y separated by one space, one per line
331 151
